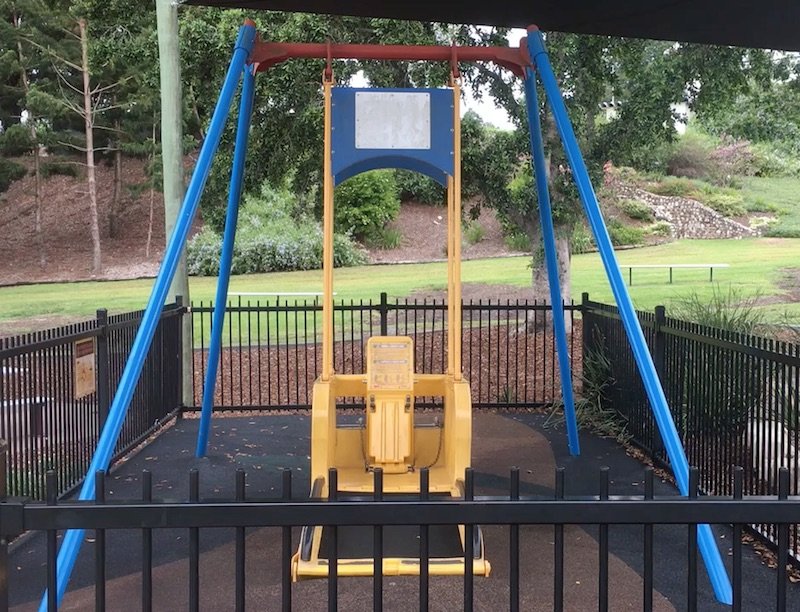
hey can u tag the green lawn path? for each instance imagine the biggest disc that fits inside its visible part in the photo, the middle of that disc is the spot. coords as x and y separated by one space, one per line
757 265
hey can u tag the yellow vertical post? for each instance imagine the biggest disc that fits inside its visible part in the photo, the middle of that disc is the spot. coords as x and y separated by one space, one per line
450 280
456 263
327 240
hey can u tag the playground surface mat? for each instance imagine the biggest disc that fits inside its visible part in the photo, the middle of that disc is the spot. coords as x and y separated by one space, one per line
264 445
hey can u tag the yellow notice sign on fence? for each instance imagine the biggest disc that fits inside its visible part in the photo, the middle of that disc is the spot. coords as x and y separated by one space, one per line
84 368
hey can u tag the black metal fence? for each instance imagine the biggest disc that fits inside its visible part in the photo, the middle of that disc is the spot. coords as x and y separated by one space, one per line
237 584
735 398
272 354
56 387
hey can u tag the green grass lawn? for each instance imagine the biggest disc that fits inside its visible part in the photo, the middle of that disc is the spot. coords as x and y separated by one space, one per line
775 195
756 267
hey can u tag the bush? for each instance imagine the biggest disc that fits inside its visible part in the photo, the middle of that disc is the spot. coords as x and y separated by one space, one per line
419 188
270 239
53 168
10 171
660 228
673 186
474 232
725 201
623 235
366 202
518 241
727 309
689 157
636 209
773 159
731 159
581 240
386 238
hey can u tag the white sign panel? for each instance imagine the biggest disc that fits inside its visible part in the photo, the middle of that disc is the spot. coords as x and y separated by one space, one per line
393 120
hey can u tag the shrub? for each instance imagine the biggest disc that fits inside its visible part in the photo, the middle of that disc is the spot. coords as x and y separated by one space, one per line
518 241
660 228
52 168
673 186
581 240
727 309
418 187
725 201
690 157
636 209
270 239
10 171
385 238
773 159
731 159
623 235
474 232
366 202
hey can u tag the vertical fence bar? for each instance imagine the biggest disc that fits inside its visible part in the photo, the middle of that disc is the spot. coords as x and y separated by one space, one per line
239 586
52 544
4 600
424 547
783 543
333 561
513 548
194 546
103 384
738 488
469 549
691 583
147 547
286 546
647 595
377 546
558 549
603 547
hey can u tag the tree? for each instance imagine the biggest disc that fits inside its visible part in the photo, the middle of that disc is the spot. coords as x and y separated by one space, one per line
25 72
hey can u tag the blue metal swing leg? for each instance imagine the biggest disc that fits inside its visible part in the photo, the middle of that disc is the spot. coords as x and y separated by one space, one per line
226 258
551 261
73 538
655 393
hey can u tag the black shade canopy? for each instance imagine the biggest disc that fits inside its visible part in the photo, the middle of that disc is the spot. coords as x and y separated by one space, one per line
770 24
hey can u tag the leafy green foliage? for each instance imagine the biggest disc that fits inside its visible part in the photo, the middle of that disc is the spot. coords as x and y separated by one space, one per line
624 235
10 171
727 308
270 239
474 232
581 240
636 209
365 203
385 238
418 188
64 168
660 228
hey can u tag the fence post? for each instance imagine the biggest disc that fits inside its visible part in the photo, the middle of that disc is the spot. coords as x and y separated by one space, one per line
103 382
179 346
384 312
3 541
659 353
586 333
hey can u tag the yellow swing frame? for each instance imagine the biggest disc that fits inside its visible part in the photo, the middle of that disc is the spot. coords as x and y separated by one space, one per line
388 438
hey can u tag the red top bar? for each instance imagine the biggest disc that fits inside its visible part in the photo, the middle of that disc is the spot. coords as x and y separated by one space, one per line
268 54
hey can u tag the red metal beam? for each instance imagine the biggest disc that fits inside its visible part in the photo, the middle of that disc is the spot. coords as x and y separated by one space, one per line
268 54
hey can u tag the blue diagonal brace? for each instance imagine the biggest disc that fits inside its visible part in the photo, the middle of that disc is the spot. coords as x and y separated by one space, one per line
644 361
226 257
551 260
73 538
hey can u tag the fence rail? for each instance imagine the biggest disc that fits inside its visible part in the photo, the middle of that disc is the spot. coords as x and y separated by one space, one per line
272 354
513 510
735 398
50 422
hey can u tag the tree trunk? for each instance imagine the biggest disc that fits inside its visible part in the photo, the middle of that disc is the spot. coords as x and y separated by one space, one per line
113 209
152 198
90 169
37 171
540 282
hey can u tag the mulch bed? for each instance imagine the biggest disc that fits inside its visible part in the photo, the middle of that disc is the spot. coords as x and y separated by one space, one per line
505 365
